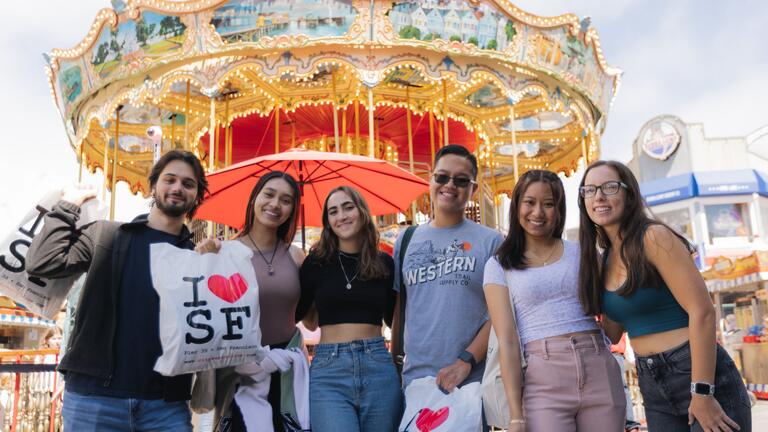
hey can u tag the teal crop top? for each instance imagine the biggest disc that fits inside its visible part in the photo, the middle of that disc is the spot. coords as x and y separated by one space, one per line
648 310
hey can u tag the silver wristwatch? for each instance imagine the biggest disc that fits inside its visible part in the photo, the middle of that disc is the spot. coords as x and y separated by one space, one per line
702 388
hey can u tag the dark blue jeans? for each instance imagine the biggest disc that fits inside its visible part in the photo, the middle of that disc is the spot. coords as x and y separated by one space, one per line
665 382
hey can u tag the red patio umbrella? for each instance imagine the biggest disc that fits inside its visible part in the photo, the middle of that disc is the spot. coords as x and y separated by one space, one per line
387 188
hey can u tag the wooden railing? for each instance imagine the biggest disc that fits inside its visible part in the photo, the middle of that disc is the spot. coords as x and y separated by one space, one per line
30 396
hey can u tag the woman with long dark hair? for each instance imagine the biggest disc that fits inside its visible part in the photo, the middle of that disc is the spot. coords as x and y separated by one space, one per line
645 282
572 382
346 283
270 224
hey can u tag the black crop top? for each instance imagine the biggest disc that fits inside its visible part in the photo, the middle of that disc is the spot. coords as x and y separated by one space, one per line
366 302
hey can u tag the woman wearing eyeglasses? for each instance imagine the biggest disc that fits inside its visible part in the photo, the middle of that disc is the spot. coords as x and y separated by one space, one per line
645 282
572 382
347 284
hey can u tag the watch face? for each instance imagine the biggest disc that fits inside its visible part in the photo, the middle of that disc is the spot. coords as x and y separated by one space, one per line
702 388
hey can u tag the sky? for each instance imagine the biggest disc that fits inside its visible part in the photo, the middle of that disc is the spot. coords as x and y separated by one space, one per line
705 61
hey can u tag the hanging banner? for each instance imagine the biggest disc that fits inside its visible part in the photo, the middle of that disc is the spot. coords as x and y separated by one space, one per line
41 296
209 308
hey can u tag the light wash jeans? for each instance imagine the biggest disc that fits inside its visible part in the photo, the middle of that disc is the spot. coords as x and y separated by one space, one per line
85 413
354 387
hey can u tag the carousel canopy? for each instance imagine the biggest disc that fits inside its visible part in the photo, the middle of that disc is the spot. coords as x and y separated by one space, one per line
392 80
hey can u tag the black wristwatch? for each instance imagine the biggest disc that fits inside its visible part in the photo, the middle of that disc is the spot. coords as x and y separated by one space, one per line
702 388
467 357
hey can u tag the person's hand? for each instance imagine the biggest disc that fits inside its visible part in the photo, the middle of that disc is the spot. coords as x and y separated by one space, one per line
452 375
710 415
208 246
516 426
78 194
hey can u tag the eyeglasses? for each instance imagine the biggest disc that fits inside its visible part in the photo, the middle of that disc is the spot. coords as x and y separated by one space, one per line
608 188
459 182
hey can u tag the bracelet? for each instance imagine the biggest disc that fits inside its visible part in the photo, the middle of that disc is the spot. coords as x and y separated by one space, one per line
517 421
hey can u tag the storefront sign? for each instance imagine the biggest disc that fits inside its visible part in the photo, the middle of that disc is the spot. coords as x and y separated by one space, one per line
660 140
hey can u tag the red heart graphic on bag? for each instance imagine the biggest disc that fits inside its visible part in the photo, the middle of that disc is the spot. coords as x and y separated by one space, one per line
428 420
228 289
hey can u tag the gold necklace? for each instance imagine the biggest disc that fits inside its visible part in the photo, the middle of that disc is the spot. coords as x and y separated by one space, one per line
546 260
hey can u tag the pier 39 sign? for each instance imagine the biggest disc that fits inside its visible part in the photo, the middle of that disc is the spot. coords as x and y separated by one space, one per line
659 139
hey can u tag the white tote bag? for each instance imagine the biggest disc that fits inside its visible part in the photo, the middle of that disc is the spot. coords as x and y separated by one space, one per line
209 308
428 409
494 397
41 296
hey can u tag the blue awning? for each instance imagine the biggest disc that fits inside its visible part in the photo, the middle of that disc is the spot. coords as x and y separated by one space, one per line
668 189
704 183
734 182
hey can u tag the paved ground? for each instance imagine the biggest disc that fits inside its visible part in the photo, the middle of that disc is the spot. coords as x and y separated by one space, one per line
760 416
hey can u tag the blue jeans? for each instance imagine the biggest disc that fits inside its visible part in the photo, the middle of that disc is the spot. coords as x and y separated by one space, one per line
665 383
85 413
354 387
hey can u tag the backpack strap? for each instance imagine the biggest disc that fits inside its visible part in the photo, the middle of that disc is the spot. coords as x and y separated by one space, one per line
399 350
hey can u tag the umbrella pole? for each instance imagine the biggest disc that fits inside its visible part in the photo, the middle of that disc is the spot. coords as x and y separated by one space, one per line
335 114
514 141
303 221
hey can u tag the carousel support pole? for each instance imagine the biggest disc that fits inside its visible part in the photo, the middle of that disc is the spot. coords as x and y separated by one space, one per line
357 124
431 137
584 151
226 131
277 129
335 114
105 169
480 181
114 164
409 128
494 189
212 138
228 148
173 131
82 162
344 131
186 118
371 137
211 156
216 152
514 142
445 113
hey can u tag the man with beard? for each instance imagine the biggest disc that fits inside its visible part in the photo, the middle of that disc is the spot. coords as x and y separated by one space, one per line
108 367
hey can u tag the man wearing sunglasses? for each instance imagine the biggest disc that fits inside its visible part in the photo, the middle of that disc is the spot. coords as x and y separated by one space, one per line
447 327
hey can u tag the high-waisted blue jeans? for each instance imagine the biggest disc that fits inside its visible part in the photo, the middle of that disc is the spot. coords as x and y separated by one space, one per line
665 382
354 387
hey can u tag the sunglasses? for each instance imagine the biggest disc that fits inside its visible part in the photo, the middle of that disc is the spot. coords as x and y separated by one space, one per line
460 182
608 188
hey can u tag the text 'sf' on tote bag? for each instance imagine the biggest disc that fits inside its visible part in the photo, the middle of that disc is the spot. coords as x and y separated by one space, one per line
209 308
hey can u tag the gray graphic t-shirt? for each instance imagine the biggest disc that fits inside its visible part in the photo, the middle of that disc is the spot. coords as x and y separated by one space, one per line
443 271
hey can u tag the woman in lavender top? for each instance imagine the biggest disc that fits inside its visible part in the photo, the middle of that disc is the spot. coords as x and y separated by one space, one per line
572 383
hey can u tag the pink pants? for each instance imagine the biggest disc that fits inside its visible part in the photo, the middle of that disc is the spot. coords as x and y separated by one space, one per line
572 384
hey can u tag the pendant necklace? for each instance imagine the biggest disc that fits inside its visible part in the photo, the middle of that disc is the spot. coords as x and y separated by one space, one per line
546 260
349 281
270 268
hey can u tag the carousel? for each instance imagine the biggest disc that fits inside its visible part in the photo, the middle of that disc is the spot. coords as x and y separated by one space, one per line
392 80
